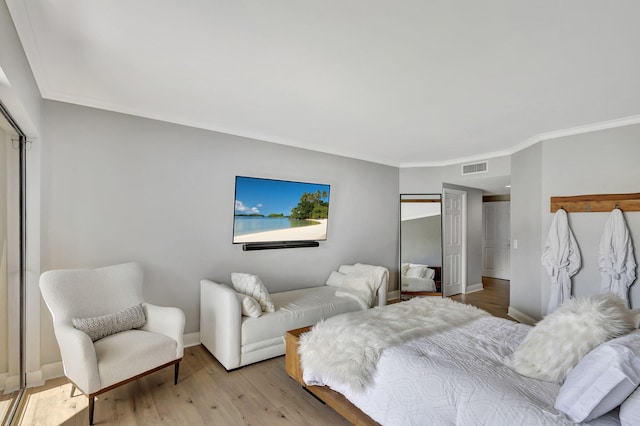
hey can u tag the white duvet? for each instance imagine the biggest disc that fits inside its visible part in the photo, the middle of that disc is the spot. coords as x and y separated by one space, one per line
457 377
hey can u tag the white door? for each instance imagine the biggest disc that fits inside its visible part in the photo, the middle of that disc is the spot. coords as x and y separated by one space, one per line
496 229
454 238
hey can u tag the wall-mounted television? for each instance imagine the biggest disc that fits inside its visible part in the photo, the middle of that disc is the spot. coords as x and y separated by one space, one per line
279 211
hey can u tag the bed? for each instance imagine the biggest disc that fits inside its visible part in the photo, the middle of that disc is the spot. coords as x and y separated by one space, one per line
416 278
456 371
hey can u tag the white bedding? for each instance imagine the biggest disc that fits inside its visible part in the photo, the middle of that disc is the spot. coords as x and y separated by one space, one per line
457 377
417 284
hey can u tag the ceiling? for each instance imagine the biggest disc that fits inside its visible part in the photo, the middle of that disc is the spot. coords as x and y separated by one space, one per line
410 83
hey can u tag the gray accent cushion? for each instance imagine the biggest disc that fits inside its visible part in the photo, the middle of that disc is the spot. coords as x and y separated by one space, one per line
106 325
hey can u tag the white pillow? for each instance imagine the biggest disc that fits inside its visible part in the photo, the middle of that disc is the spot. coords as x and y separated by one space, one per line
417 272
558 342
335 279
602 380
252 286
630 410
250 306
345 269
404 267
431 273
106 325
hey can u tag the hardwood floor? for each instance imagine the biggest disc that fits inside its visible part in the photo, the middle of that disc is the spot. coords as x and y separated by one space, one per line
206 394
493 299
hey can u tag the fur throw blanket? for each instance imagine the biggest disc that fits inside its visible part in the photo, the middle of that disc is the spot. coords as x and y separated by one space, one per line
346 347
362 282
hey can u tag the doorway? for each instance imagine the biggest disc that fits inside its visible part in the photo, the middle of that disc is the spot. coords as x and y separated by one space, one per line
496 239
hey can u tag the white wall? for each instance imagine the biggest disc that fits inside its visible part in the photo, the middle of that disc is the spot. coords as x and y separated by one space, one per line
19 93
118 188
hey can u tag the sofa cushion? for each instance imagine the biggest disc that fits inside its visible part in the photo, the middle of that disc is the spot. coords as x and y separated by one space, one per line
129 353
295 309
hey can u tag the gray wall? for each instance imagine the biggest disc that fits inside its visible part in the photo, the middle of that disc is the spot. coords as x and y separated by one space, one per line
603 162
526 228
421 240
117 188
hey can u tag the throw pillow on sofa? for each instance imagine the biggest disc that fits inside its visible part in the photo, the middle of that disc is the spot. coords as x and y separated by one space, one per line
251 285
250 306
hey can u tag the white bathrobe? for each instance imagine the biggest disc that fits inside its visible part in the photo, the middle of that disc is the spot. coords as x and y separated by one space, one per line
616 261
561 259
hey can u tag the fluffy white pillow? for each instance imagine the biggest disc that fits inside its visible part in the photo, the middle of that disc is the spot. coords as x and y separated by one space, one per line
335 279
602 380
630 410
417 272
250 306
252 286
558 342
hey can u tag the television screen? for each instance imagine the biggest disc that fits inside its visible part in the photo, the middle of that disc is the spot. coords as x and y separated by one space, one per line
268 210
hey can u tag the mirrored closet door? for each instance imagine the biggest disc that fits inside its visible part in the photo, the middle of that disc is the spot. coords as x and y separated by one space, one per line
420 245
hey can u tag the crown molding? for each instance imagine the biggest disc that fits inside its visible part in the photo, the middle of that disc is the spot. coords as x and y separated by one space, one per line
572 131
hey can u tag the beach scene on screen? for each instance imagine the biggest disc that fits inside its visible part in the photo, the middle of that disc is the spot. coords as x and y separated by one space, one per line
269 210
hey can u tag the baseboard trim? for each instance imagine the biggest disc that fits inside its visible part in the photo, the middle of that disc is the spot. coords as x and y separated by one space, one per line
10 383
52 371
191 339
473 288
393 295
520 317
34 378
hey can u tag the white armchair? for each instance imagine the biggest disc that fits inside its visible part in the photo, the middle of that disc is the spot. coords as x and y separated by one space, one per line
97 366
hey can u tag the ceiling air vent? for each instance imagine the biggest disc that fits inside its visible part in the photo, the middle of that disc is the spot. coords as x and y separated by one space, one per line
469 169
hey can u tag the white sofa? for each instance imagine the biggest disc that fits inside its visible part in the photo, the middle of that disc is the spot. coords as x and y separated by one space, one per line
236 340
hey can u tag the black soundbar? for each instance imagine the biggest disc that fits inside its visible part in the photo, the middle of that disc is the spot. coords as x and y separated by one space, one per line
279 245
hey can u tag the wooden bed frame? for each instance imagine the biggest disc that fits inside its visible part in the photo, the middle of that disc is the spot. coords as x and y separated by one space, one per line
330 397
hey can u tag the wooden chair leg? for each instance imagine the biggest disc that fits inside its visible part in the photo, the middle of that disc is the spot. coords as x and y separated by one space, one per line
175 374
73 389
91 404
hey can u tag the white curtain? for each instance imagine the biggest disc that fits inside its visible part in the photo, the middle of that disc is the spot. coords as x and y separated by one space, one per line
561 259
616 260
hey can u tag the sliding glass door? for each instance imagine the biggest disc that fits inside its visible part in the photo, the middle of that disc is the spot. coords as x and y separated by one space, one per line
12 235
